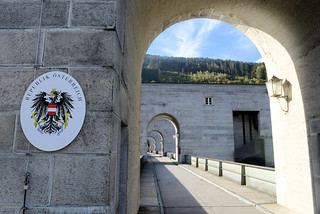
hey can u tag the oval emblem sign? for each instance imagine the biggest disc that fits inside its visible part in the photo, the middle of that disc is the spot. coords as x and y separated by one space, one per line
52 111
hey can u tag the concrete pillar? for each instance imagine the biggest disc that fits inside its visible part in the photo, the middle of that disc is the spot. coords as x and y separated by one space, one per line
155 147
162 147
176 137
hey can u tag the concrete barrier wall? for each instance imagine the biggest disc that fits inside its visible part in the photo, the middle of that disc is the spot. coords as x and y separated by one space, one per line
261 178
202 163
214 167
194 161
257 177
187 159
232 171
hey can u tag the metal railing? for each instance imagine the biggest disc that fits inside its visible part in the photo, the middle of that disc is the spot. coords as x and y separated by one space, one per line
257 177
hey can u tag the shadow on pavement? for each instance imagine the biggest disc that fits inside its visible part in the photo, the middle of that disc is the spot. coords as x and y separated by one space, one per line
176 198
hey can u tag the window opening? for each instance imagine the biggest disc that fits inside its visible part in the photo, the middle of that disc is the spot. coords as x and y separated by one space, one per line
208 100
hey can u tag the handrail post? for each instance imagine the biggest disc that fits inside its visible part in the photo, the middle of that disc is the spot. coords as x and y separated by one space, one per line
220 168
243 175
206 165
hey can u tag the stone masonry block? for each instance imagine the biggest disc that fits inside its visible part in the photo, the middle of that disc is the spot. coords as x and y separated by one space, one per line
12 170
13 83
26 14
81 180
12 178
7 211
7 131
94 14
69 209
98 87
19 14
55 14
40 168
18 47
79 48
95 136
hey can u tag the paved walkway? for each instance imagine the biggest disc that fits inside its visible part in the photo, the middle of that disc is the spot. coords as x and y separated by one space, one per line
186 189
183 192
149 202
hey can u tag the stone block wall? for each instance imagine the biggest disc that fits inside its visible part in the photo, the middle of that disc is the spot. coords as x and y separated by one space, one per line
205 130
81 39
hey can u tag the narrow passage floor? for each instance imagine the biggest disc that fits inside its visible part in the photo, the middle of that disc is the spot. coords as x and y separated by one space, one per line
183 192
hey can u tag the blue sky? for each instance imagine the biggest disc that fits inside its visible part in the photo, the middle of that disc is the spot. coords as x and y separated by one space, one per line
205 38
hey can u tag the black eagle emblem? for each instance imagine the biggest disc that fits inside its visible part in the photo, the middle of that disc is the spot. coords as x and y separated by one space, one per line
51 111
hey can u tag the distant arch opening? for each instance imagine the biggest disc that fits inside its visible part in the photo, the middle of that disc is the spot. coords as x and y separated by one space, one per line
161 140
175 124
153 146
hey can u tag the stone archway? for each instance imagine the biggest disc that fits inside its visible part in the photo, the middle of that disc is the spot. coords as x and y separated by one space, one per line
161 140
280 32
148 146
175 123
153 145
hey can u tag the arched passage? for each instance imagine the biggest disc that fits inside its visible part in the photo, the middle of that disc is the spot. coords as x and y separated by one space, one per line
148 146
153 145
175 123
167 117
280 35
161 139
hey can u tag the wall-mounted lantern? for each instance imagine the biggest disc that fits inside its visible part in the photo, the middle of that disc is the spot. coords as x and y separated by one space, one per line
274 86
286 90
280 89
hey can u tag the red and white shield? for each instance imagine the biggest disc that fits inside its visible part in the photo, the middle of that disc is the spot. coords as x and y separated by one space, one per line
52 109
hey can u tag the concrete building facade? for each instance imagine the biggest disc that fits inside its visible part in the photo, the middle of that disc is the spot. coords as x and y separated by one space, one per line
208 120
102 44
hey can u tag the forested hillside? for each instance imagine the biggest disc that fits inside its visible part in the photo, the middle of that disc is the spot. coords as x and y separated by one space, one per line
159 69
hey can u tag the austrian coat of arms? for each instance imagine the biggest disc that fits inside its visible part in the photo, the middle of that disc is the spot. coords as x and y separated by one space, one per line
51 111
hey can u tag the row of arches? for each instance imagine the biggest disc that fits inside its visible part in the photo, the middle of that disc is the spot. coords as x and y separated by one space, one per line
287 39
153 146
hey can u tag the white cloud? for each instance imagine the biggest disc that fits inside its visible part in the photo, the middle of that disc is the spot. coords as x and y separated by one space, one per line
204 38
207 26
187 37
260 60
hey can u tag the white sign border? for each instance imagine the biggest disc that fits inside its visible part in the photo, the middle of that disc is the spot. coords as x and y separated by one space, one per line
46 82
